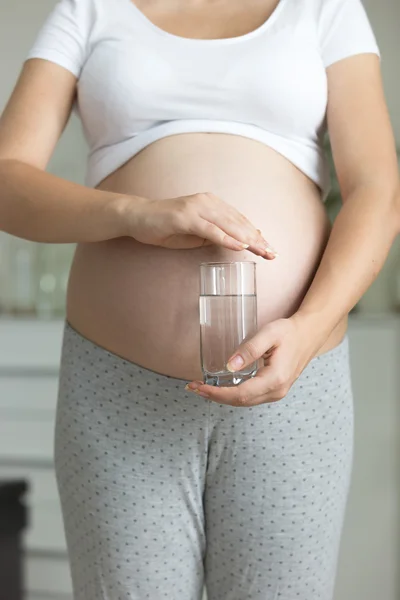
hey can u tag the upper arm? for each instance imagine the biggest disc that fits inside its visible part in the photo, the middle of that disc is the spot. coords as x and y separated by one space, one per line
36 113
360 130
41 102
358 122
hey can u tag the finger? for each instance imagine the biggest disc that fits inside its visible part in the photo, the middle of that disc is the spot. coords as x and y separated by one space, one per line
244 231
268 252
257 240
229 219
193 385
234 224
212 232
268 355
251 350
251 392
271 252
218 236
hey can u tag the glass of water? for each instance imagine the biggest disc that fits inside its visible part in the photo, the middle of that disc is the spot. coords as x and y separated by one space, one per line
228 316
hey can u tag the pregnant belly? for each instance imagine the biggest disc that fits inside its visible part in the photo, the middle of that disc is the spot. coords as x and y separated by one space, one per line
141 301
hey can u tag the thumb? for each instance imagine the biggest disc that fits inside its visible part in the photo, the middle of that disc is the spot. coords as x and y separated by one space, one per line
250 351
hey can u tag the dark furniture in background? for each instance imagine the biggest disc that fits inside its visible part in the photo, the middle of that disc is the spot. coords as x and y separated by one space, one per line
13 520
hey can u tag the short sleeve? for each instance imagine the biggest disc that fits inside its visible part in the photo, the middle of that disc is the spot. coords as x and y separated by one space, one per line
63 38
344 30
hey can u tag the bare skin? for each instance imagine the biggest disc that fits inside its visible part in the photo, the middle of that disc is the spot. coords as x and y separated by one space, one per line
134 299
137 296
191 19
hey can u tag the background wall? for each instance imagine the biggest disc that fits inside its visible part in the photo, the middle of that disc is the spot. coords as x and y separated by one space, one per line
368 564
21 19
385 18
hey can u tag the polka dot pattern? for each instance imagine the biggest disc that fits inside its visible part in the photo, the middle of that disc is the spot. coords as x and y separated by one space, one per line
163 491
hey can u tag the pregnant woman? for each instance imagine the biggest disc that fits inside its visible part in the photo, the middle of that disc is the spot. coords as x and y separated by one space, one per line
205 123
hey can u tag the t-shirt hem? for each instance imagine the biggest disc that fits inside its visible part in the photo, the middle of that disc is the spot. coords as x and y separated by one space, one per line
56 57
334 58
100 166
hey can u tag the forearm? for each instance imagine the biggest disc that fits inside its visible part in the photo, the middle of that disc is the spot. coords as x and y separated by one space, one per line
361 238
38 206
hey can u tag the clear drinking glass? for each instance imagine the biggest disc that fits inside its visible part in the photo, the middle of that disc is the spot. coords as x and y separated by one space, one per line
228 316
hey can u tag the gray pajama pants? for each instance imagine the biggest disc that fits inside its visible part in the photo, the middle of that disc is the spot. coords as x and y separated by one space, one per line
163 491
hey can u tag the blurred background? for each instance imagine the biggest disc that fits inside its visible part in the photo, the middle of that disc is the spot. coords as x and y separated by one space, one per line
33 281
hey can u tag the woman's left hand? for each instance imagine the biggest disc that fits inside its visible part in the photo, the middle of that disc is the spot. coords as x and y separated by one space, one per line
285 347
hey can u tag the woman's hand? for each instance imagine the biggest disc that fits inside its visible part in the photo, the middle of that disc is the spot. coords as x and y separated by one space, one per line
195 221
285 347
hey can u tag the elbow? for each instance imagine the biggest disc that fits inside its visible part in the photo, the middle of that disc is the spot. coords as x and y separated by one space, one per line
382 197
7 167
387 199
11 170
3 170
10 174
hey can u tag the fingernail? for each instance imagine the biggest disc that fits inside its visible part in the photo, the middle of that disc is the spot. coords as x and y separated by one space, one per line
191 387
271 250
245 246
235 363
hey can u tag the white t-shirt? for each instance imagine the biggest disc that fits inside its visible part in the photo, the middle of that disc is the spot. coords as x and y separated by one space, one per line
138 83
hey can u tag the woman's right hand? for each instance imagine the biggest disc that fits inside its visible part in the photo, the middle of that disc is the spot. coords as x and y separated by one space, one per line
195 221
